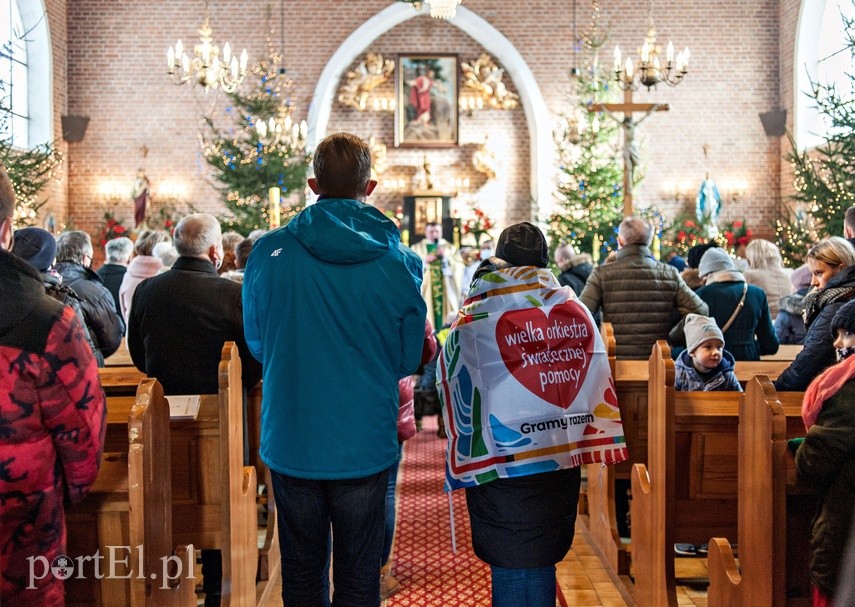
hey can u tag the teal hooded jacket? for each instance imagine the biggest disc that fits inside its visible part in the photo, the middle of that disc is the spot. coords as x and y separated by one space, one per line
333 310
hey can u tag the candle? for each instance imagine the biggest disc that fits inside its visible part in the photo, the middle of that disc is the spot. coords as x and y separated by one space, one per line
595 252
405 237
273 194
657 247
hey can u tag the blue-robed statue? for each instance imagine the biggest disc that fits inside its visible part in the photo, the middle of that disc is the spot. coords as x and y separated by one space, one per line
708 203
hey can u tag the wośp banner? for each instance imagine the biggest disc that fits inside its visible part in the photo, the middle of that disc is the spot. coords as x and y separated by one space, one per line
525 382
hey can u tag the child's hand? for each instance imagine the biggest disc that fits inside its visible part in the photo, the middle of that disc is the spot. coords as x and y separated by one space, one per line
794 443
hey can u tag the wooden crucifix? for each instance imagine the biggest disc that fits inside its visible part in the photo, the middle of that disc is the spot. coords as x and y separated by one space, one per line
631 154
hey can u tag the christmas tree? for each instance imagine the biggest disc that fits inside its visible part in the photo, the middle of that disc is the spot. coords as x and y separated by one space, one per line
590 196
29 169
824 176
263 148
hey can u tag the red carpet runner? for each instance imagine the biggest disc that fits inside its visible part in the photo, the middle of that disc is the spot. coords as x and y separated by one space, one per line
430 574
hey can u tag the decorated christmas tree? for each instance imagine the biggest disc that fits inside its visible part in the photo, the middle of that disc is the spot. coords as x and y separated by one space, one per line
825 176
590 197
261 149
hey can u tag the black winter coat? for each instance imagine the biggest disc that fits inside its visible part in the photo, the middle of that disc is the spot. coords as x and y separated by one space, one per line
818 351
112 275
105 326
524 522
575 277
178 324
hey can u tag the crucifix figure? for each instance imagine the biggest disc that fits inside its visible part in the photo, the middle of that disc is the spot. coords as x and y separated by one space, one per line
631 153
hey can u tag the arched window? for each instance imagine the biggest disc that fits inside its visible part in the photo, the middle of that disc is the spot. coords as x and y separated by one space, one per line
25 74
822 55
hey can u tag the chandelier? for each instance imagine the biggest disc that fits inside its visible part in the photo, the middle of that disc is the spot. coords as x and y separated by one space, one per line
206 68
650 70
439 9
282 130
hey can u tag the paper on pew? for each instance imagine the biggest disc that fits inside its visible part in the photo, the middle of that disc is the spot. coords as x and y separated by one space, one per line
184 406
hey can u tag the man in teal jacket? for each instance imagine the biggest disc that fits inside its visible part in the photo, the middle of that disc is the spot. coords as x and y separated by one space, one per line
333 310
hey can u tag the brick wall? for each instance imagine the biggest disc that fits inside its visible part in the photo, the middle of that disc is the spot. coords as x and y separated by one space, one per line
116 75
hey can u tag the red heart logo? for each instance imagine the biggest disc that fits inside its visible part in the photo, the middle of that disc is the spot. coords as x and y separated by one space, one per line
549 355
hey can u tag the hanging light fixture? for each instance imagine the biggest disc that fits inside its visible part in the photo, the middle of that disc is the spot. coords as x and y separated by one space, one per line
281 129
650 70
206 68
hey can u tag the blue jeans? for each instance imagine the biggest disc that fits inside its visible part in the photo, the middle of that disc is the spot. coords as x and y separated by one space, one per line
391 486
533 587
305 511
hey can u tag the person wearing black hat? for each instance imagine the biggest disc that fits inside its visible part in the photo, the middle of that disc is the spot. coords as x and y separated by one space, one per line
523 526
38 248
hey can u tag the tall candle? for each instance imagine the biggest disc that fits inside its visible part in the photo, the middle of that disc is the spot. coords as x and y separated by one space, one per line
595 253
657 247
273 194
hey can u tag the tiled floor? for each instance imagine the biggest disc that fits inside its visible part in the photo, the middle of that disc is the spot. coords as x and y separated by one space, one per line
586 583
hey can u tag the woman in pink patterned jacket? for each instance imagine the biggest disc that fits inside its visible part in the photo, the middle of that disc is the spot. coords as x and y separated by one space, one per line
52 422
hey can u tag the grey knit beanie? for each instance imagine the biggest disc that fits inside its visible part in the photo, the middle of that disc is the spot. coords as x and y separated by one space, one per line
715 260
699 329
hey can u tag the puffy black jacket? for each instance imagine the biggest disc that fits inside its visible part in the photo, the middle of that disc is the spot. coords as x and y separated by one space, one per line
99 308
818 351
575 273
641 297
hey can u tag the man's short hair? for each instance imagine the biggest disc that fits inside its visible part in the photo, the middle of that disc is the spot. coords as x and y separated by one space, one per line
635 230
7 196
73 246
342 166
196 233
849 219
242 252
118 249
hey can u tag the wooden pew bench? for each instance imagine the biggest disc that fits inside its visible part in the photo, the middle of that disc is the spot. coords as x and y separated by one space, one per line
631 385
774 514
120 381
126 519
207 471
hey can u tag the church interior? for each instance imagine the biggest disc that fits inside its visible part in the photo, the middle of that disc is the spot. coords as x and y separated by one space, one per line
547 112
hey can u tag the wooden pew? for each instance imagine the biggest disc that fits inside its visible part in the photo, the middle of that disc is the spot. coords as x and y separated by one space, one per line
129 506
197 459
631 386
121 357
213 493
774 515
120 381
687 490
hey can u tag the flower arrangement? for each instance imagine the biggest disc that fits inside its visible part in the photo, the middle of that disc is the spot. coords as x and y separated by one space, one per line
478 224
111 228
735 234
685 233
164 218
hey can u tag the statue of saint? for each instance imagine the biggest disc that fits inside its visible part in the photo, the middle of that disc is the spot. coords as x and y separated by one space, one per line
708 203
140 192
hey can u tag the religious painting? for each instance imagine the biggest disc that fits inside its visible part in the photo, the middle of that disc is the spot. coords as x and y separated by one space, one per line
426 108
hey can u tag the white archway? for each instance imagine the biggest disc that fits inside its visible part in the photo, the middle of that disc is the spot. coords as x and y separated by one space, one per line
39 71
538 117
819 38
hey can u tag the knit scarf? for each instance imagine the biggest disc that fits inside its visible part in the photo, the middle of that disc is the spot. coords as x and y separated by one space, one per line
815 301
826 385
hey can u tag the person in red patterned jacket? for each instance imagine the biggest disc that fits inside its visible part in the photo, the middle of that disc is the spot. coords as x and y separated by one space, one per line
52 422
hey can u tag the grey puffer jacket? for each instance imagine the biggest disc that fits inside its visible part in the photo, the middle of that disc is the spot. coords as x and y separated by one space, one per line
641 297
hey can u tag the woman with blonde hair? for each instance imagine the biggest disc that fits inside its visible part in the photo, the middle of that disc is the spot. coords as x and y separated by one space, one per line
832 265
766 270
